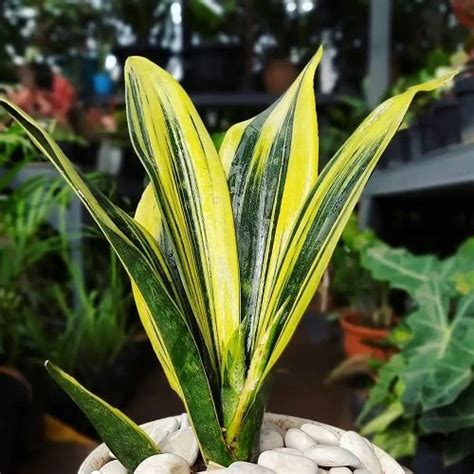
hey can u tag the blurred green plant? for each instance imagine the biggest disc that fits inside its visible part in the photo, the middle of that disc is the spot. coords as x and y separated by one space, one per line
353 284
427 389
93 330
26 240
37 314
209 17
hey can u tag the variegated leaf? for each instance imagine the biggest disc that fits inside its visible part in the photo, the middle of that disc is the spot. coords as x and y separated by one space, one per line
166 326
192 197
315 233
127 441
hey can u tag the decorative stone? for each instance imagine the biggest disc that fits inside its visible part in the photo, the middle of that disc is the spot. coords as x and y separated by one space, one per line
332 456
162 428
163 464
340 470
293 451
321 434
297 439
113 467
270 439
362 471
242 467
358 446
183 443
284 463
389 465
184 421
322 471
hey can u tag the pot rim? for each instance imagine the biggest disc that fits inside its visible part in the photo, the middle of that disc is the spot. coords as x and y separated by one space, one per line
348 324
100 455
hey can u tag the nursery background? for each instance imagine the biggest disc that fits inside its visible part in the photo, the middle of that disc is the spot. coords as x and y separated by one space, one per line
373 353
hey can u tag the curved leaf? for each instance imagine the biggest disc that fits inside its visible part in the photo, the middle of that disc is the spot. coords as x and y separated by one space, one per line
455 417
192 197
167 328
272 164
130 444
318 227
439 354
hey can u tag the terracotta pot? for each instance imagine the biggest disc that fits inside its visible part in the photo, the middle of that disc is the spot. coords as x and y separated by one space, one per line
280 423
279 75
358 339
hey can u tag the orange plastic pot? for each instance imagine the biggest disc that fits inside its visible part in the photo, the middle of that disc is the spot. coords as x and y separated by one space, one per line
362 340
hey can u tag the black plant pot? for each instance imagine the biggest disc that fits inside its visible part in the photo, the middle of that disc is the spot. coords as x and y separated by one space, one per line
398 151
464 90
156 54
19 427
213 68
446 122
428 460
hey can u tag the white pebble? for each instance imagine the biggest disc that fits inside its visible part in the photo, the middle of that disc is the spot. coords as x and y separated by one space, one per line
183 443
270 439
283 463
242 467
321 434
293 451
163 464
362 471
184 421
332 456
358 446
389 465
162 428
295 438
113 467
340 470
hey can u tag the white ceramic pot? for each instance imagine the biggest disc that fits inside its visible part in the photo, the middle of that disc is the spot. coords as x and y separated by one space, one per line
281 423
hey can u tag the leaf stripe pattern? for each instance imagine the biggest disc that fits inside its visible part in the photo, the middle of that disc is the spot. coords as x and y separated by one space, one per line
192 195
272 163
167 328
316 231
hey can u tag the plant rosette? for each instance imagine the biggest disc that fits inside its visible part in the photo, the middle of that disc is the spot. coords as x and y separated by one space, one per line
288 444
225 252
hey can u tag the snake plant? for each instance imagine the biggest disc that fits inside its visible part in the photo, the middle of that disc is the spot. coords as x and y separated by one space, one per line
226 249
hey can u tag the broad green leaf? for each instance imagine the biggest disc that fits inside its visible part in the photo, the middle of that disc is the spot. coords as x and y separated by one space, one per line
399 441
166 326
439 355
123 437
317 229
401 268
454 417
192 196
461 267
458 446
381 422
382 390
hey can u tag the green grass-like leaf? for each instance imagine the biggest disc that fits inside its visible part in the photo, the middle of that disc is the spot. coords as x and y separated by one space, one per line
127 441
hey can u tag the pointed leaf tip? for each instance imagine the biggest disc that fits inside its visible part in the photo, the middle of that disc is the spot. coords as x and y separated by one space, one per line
132 446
